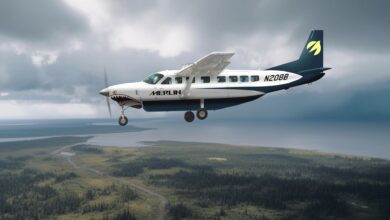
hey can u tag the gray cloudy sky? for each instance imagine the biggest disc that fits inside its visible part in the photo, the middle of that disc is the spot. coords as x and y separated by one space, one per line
52 53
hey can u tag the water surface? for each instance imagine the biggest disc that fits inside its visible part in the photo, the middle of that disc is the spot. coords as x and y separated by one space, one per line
355 138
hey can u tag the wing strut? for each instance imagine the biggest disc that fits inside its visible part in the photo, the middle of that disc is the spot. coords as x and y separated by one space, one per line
186 90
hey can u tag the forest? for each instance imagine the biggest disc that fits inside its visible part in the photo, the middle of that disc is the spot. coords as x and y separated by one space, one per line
306 189
31 194
179 180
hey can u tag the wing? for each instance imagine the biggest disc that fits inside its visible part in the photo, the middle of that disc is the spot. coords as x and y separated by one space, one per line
211 64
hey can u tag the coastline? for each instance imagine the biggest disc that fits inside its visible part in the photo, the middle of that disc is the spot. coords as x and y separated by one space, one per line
363 140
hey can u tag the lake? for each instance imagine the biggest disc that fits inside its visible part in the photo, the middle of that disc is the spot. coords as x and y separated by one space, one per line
355 138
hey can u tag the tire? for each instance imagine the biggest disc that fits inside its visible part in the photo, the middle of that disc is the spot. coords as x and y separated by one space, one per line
189 116
201 113
123 120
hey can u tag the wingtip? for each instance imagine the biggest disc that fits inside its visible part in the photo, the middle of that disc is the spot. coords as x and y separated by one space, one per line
223 52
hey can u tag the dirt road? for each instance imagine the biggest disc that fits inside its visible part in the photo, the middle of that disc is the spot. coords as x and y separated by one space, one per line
64 152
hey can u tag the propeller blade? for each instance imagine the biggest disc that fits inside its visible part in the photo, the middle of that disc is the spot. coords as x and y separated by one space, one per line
105 78
107 98
109 106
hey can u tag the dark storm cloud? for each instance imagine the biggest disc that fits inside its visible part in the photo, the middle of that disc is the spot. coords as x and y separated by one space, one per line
215 23
77 75
40 20
18 73
349 24
86 68
356 25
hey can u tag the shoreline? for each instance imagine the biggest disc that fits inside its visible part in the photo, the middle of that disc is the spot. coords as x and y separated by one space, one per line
151 143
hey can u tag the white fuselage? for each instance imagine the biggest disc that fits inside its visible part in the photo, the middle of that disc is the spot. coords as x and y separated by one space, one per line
206 84
236 85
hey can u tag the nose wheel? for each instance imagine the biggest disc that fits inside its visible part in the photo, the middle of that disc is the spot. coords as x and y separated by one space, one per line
123 119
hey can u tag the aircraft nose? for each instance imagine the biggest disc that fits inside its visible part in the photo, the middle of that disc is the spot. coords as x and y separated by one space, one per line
104 92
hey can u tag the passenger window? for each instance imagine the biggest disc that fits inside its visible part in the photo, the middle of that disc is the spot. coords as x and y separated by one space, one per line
244 79
179 80
233 78
205 79
254 78
166 81
221 79
193 80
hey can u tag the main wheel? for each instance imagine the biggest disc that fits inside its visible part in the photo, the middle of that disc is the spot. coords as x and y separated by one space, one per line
189 116
123 120
201 113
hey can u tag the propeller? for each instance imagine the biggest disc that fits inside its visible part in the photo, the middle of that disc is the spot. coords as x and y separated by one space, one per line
107 98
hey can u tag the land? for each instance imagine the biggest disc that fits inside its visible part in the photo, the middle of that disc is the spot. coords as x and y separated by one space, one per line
65 178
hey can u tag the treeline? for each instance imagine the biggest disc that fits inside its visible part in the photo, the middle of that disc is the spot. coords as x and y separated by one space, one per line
322 198
24 196
136 167
125 193
380 173
12 163
122 215
179 211
40 143
9 164
84 148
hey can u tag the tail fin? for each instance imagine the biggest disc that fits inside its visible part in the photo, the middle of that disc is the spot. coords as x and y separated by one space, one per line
311 58
312 54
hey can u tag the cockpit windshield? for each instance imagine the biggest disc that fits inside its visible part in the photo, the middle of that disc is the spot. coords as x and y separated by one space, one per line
154 78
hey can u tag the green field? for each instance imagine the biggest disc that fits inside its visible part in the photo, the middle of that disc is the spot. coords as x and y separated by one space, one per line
63 178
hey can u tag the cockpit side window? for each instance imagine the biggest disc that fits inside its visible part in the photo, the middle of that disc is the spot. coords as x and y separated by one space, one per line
154 78
167 81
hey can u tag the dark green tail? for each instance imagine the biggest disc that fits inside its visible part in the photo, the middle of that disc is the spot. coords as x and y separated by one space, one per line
311 59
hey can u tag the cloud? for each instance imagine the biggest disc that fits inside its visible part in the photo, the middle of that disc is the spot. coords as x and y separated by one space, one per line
166 41
44 58
41 30
55 55
43 110
41 21
141 33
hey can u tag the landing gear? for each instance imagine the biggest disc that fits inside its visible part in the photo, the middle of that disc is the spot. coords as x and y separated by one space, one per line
123 119
189 116
201 113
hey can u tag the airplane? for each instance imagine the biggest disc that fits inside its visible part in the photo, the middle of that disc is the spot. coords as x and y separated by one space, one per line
206 85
